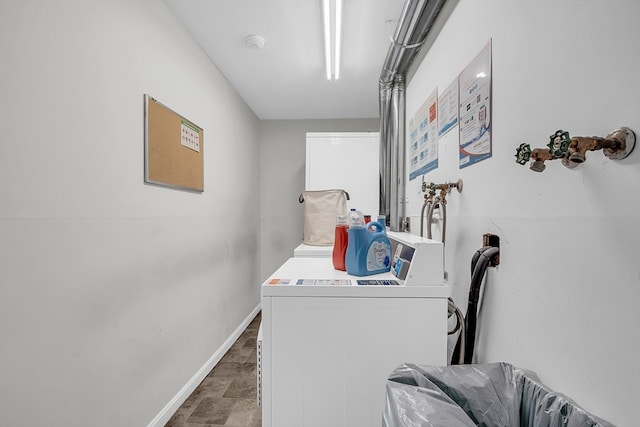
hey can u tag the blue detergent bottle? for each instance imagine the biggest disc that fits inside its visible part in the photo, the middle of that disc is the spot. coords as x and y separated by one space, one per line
368 248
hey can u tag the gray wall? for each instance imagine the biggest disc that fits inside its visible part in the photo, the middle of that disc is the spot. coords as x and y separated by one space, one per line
563 302
113 293
282 172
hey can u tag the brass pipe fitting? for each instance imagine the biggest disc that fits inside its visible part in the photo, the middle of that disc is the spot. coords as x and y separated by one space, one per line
539 156
447 186
580 145
617 145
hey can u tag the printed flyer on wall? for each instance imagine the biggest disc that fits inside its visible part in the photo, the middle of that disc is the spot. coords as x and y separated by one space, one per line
475 109
448 108
423 138
189 136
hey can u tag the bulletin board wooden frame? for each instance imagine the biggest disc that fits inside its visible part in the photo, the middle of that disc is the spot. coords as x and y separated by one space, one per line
173 148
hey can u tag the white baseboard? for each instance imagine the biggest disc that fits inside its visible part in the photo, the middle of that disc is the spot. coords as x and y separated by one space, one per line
172 407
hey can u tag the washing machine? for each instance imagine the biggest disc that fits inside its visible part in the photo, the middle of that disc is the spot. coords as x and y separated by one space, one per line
310 251
330 339
301 251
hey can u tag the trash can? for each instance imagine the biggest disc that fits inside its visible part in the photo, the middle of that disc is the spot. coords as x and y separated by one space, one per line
491 395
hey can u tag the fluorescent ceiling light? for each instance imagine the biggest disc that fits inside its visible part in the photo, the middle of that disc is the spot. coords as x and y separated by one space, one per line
327 37
332 25
338 38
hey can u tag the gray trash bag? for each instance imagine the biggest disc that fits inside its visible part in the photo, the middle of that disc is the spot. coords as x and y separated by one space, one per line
491 395
542 407
461 395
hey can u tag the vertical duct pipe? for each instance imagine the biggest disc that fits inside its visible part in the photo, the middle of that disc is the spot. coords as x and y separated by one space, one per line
385 155
414 23
397 190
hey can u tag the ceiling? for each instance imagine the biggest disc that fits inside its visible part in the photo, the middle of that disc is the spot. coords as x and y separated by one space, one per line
286 78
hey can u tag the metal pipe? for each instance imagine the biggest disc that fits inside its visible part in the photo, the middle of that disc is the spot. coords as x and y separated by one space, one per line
385 157
397 190
414 23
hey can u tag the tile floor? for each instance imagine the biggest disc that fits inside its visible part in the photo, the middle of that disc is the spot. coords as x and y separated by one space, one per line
227 396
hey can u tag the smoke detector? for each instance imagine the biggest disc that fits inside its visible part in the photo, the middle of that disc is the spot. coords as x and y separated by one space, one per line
254 41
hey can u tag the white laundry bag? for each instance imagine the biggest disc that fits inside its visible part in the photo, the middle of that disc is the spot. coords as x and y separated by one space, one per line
321 209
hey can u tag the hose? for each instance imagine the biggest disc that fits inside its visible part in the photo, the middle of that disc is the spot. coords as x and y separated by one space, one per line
453 309
425 205
437 204
466 341
432 208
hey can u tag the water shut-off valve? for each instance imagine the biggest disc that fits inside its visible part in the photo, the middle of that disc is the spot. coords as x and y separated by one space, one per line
617 145
430 190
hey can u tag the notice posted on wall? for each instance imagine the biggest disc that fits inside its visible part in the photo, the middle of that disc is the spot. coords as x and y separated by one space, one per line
423 138
475 109
189 136
448 108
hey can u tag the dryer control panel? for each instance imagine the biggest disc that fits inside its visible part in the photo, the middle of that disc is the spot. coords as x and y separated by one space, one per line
417 261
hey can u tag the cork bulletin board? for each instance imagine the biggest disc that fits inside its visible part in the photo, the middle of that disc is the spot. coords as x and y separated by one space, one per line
173 148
